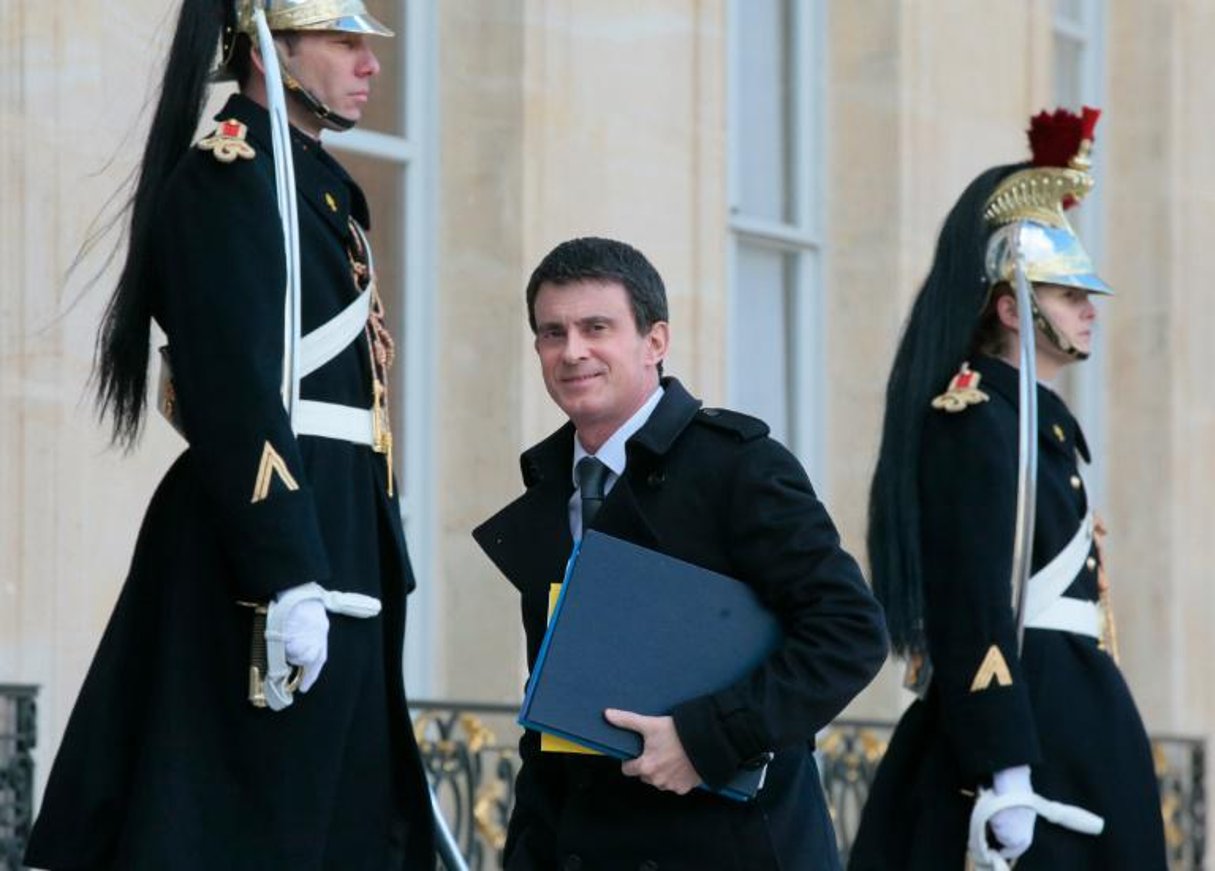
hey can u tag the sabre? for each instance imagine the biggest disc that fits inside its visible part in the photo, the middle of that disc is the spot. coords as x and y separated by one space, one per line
1027 444
288 210
449 850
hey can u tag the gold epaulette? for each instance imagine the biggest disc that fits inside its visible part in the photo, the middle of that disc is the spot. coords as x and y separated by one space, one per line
228 142
963 391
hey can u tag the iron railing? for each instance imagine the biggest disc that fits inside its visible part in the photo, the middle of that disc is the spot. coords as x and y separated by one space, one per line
469 750
17 735
470 753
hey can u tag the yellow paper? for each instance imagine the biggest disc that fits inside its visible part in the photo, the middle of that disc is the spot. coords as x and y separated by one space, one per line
554 743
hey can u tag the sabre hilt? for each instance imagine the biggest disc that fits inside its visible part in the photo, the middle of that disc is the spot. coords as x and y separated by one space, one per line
259 660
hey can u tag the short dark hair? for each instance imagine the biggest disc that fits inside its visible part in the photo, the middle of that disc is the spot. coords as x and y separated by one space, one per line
595 259
240 66
991 337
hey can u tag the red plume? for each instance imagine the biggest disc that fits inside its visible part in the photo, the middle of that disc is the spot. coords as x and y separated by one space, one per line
1055 139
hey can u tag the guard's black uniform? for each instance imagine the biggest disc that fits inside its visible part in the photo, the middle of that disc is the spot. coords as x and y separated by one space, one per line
709 487
1062 708
165 764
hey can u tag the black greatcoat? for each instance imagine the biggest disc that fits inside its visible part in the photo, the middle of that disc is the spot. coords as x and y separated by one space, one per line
709 487
1067 711
165 764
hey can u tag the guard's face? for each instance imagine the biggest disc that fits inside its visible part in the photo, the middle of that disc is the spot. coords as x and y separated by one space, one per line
1071 312
337 67
597 367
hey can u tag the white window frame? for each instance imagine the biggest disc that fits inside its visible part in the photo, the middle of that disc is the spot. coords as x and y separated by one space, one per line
800 237
416 153
1090 380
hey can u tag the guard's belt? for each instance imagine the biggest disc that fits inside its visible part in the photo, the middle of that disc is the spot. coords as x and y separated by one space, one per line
331 338
330 419
1045 605
313 418
334 421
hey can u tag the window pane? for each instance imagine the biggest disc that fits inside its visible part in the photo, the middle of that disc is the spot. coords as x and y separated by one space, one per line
384 185
1069 55
1071 11
764 107
760 365
385 111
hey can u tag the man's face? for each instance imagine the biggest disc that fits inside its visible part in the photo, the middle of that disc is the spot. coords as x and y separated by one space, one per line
597 367
337 67
1072 314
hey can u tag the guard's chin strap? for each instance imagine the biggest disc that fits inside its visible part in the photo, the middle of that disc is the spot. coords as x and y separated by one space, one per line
328 118
1053 335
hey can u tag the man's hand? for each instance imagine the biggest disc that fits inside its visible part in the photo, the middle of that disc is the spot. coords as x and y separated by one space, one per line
1013 827
663 763
306 639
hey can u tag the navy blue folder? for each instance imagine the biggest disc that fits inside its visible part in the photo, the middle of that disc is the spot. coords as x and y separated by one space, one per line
642 631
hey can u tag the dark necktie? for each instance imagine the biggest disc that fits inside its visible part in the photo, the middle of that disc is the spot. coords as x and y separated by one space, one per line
592 475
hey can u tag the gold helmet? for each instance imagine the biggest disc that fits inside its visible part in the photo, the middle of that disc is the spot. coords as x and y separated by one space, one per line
350 16
1027 208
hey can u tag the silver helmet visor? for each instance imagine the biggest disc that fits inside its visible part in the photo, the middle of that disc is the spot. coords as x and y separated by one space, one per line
1052 255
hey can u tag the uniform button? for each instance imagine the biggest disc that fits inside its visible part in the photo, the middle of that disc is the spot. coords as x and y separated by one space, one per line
1091 563
648 865
573 862
1075 482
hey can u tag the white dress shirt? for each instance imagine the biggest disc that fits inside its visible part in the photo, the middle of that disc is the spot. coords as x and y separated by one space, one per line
611 453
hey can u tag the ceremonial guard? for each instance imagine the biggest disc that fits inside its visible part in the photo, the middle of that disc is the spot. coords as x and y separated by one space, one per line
640 459
1025 744
245 709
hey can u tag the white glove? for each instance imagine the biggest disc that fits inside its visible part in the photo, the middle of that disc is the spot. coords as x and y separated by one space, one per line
297 633
1013 827
306 639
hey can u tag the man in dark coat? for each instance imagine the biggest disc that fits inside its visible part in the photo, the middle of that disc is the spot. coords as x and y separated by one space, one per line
707 486
1053 715
165 763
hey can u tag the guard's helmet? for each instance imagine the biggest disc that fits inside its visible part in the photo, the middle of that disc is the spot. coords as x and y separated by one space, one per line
350 16
1027 208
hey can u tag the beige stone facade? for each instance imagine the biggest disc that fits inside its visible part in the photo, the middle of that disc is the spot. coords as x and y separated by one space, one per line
558 118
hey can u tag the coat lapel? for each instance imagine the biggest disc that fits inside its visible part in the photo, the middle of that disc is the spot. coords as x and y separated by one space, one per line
623 517
529 540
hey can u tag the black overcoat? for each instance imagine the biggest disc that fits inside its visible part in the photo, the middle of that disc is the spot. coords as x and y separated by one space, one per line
707 486
1065 709
165 764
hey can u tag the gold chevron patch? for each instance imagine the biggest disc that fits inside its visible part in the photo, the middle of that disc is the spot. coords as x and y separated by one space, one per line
993 668
272 464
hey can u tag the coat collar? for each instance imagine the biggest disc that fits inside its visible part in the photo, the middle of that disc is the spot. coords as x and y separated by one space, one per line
674 412
529 539
320 180
1056 425
671 416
